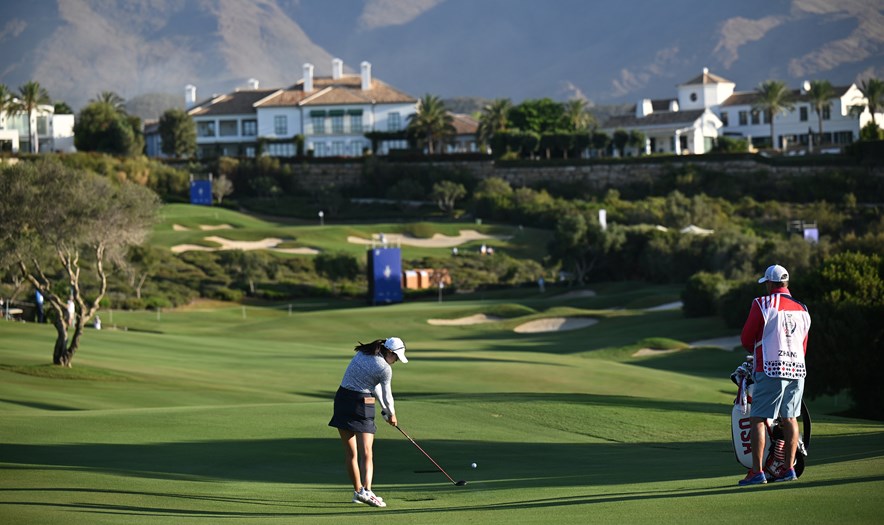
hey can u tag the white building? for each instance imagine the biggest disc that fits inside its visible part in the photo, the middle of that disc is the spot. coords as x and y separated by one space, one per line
53 132
799 128
465 139
332 114
708 106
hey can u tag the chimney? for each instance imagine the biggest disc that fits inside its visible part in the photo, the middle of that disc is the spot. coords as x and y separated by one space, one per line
337 68
644 108
366 76
673 105
253 83
308 78
705 71
189 96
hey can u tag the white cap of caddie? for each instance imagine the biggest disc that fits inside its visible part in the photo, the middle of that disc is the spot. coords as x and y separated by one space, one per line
396 345
775 274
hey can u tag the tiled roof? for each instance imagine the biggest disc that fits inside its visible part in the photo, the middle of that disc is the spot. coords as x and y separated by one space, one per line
707 78
344 90
667 118
748 98
236 103
464 124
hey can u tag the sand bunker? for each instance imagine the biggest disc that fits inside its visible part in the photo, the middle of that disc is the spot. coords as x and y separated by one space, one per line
462 321
204 227
653 351
270 243
554 324
436 241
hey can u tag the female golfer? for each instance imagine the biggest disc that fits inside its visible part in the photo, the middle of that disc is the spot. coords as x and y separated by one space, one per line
366 379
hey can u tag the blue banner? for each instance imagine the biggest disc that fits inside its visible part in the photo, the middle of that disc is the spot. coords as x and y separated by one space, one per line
384 275
201 192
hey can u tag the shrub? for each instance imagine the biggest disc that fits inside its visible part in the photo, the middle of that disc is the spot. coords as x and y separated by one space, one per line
337 266
733 305
701 294
223 293
846 344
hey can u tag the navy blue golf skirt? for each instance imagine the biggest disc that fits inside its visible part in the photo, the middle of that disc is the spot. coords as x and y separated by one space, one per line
354 411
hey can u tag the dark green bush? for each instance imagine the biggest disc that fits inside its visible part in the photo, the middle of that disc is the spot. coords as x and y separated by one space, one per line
701 294
337 266
222 293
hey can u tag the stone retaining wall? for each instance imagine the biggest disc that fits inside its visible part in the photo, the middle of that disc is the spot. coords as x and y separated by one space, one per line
599 176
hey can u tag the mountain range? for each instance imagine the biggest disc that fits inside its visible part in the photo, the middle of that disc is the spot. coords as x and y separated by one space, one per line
603 52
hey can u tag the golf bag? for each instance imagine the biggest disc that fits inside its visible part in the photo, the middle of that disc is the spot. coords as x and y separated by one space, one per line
741 427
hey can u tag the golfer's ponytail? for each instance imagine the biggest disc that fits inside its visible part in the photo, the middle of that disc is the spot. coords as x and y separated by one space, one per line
372 348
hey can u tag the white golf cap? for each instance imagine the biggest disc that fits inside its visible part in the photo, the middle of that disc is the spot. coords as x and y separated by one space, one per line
397 347
775 274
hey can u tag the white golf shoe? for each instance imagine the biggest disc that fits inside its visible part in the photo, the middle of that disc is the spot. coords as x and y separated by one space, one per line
368 497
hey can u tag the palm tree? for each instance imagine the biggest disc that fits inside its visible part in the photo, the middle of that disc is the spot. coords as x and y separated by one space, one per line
112 99
873 90
31 96
432 123
821 94
494 119
773 98
6 102
575 116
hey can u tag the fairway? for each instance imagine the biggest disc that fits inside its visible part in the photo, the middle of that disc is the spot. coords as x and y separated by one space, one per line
218 414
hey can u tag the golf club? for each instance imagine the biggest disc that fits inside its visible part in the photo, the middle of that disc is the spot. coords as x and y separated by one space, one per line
460 483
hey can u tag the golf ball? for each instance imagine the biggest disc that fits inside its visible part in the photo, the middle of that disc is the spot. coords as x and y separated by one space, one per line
473 465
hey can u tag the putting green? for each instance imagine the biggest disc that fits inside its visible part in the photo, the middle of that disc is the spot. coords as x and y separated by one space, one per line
219 414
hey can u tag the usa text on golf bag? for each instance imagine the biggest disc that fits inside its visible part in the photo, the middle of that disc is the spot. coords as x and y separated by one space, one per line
741 428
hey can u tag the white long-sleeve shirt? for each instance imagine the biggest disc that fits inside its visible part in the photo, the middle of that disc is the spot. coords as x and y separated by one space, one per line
370 374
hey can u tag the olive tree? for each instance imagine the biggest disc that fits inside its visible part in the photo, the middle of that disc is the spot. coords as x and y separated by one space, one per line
57 221
446 193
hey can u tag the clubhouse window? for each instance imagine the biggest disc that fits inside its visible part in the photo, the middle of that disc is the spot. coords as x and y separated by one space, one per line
724 117
227 128
394 121
744 118
756 117
802 113
250 128
356 123
205 129
281 149
337 124
827 112
318 125
280 125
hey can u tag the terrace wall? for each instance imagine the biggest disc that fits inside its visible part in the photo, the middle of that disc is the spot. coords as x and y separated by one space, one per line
599 175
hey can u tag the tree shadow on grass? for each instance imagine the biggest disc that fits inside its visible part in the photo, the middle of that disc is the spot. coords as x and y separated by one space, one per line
316 465
532 397
314 461
319 508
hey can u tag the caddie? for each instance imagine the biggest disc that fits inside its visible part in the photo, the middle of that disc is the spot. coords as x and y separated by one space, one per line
776 334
